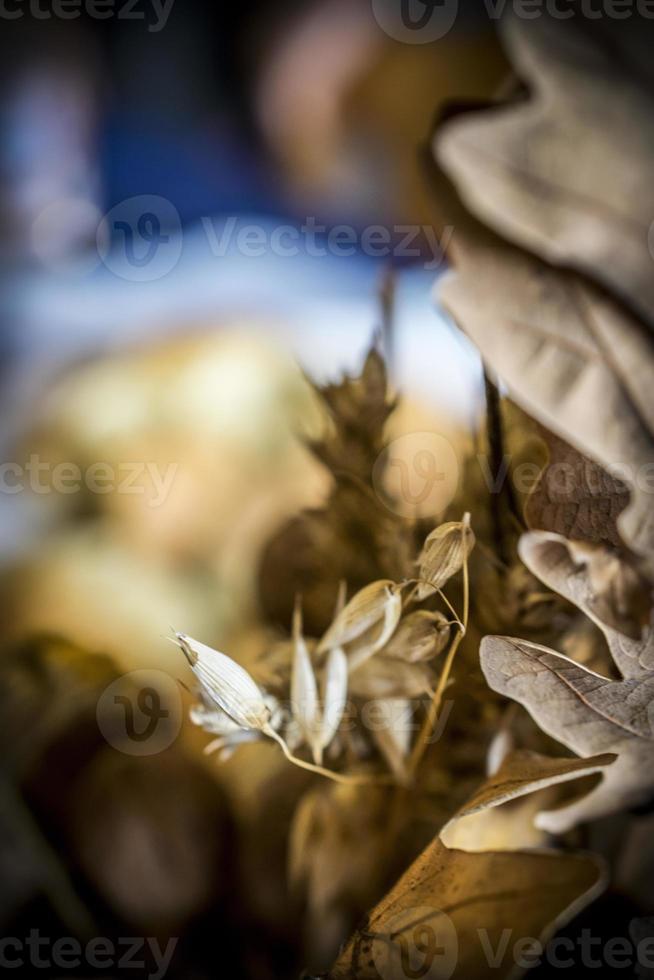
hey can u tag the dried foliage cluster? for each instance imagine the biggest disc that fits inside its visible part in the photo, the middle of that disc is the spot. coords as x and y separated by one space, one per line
552 281
415 786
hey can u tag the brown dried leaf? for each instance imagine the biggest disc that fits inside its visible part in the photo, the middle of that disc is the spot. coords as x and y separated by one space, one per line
455 894
517 788
570 356
566 173
616 598
575 497
586 712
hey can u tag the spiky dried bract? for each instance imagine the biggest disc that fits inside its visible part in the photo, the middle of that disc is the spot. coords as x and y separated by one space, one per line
444 552
226 683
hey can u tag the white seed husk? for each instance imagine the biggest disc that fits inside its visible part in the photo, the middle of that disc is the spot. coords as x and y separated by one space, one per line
335 695
226 684
378 602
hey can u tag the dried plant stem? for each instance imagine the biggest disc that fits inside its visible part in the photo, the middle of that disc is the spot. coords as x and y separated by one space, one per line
434 707
336 777
417 582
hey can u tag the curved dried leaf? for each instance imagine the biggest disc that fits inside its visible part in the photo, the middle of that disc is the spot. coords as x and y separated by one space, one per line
554 560
524 772
575 497
522 777
570 356
566 173
586 712
457 893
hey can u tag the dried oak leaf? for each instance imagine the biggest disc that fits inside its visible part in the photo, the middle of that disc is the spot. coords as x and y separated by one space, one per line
605 587
566 172
575 497
455 893
570 356
586 712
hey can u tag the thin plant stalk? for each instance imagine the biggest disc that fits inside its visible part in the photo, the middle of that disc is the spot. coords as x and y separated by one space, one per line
435 704
336 777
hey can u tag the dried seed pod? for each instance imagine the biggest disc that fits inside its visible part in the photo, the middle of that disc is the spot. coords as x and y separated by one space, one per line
383 677
420 636
304 689
376 605
443 554
226 683
335 695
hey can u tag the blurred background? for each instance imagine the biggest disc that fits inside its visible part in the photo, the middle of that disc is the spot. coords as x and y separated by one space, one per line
140 332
